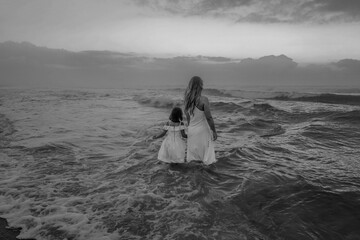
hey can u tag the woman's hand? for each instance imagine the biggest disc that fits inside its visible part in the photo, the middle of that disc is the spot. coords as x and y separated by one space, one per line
149 139
214 136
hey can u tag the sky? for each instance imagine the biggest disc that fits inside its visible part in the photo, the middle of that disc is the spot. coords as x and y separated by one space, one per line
132 43
309 31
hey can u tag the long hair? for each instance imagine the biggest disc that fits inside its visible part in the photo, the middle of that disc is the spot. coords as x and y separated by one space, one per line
192 93
176 115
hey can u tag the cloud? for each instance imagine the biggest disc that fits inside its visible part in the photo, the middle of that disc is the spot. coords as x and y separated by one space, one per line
24 64
26 52
351 7
264 11
194 7
349 66
28 65
279 62
348 63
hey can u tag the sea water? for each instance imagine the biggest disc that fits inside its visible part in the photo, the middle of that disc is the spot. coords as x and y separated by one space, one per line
79 164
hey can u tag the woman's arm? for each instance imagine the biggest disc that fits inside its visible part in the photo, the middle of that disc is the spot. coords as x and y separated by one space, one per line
208 116
160 135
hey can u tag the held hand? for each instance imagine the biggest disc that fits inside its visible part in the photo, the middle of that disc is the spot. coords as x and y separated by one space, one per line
214 136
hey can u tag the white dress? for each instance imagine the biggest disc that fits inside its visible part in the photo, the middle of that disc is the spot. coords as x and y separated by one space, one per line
200 145
173 147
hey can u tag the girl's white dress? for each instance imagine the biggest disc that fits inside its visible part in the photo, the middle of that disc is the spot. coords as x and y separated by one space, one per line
173 147
200 145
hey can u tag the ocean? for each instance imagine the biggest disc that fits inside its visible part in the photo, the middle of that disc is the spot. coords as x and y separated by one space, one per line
79 164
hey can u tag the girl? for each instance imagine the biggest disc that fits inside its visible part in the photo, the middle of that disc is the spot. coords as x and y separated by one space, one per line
172 149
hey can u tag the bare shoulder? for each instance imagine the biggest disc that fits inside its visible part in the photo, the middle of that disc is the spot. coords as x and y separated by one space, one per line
204 100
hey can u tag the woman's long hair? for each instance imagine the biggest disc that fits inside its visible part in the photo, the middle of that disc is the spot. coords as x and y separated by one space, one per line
192 94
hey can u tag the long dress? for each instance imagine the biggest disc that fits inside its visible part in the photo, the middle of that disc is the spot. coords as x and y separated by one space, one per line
200 145
173 147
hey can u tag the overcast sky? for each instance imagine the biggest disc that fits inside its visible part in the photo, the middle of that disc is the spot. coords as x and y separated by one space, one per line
306 30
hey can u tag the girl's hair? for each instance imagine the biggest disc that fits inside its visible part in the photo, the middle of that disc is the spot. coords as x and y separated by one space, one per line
192 93
176 115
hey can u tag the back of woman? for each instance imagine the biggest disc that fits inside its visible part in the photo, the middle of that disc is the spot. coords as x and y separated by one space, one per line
201 129
198 115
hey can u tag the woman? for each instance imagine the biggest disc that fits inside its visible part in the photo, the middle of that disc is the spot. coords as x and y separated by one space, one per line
201 128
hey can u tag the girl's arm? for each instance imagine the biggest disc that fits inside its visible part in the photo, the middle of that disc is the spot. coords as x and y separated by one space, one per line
183 134
160 135
208 116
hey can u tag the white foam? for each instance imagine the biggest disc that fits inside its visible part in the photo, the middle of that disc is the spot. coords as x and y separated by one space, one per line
159 101
265 95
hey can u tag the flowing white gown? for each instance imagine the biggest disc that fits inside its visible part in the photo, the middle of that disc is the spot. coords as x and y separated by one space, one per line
173 147
200 145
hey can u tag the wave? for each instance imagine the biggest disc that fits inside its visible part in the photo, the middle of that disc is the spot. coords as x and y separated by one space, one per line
264 94
158 102
206 91
347 98
324 98
226 106
288 199
216 92
351 117
265 107
334 98
167 102
6 126
52 149
6 129
267 110
262 127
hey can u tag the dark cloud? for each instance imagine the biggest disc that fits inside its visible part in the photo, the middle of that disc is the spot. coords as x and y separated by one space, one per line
264 11
193 7
211 5
23 64
26 64
263 18
271 61
330 10
348 6
220 59
29 53
349 65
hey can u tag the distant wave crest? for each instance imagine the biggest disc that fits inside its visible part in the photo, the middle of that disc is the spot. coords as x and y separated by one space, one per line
325 98
158 102
333 98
